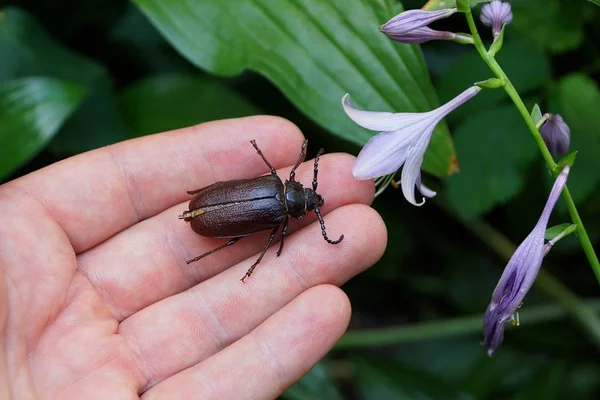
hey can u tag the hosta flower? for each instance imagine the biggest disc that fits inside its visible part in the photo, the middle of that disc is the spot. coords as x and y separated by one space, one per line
496 14
412 19
425 34
520 273
411 26
556 135
402 140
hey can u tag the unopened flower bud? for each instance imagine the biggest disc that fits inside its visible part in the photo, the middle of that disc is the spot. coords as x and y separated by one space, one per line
556 135
496 14
413 19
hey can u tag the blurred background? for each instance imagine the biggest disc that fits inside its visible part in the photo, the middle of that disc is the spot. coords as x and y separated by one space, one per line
77 75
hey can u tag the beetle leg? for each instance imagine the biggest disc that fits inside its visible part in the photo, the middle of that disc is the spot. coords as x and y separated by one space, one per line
232 241
301 158
264 250
260 153
283 233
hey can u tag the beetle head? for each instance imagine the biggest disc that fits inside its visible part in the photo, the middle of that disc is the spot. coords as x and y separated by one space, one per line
313 199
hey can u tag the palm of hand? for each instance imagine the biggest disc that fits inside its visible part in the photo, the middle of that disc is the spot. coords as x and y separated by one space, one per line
96 300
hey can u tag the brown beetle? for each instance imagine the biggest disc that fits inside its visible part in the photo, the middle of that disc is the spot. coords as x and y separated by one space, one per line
242 207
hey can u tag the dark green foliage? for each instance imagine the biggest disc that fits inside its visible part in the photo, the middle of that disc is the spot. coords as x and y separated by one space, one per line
87 74
314 52
31 112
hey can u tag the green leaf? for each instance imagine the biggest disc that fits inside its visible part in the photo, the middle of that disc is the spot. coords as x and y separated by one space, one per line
527 68
138 38
596 2
27 49
547 383
166 102
556 26
577 99
556 230
317 384
314 51
498 42
455 356
439 4
31 112
383 379
494 149
491 83
569 160
536 113
98 122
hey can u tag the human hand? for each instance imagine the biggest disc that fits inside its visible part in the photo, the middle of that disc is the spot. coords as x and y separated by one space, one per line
97 302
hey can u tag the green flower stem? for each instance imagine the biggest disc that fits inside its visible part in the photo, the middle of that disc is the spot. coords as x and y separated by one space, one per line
544 118
449 327
584 239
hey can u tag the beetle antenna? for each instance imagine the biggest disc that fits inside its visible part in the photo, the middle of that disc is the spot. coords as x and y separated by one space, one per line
314 182
301 158
318 212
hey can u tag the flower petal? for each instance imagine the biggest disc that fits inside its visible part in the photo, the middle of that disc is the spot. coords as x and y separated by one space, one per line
453 104
420 35
411 173
494 329
379 120
424 190
382 155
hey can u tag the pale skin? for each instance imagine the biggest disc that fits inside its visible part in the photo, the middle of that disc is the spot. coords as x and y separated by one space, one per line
97 302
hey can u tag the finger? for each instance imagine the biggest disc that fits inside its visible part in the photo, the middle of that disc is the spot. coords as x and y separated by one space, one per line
271 358
146 263
185 329
97 194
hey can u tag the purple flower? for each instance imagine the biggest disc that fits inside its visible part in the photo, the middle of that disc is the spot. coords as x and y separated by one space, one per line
411 26
425 34
403 139
520 273
496 14
556 134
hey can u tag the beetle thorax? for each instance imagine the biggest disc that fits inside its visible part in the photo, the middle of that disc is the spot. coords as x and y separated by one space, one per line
299 200
295 199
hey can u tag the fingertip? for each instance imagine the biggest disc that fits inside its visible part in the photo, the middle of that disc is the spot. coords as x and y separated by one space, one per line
337 173
377 232
330 308
282 128
364 228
